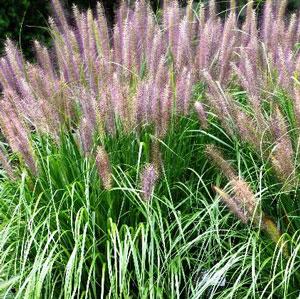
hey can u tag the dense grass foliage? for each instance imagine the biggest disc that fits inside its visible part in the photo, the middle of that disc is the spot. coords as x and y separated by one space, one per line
121 146
63 235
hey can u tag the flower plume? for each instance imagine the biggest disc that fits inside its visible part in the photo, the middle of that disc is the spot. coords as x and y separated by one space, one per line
104 168
149 177
143 69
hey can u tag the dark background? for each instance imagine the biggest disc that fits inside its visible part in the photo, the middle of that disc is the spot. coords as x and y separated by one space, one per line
26 20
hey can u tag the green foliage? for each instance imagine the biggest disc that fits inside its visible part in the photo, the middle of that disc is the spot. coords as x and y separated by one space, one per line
62 235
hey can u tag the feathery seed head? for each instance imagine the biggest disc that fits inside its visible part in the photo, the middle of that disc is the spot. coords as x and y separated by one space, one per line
149 177
220 162
104 168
